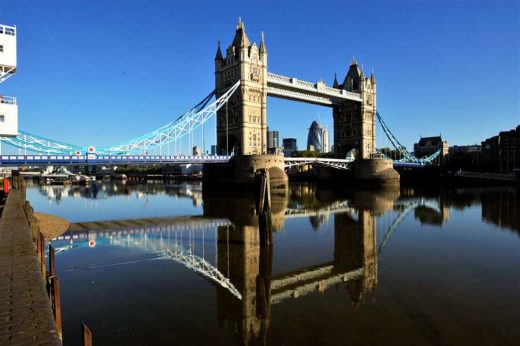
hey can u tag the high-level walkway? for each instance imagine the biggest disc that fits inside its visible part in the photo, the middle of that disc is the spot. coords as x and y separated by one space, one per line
26 316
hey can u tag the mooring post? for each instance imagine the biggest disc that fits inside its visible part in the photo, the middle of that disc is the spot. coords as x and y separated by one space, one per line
86 335
264 208
41 252
55 284
52 270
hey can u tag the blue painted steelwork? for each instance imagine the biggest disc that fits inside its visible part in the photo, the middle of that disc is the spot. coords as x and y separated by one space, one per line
44 160
171 132
408 157
58 152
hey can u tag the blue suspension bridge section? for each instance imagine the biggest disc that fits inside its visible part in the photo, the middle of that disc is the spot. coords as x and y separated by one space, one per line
47 151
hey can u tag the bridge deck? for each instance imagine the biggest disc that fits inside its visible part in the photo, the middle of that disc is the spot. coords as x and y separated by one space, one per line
26 316
44 160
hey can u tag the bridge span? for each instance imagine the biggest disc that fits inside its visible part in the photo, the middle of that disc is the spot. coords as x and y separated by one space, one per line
111 160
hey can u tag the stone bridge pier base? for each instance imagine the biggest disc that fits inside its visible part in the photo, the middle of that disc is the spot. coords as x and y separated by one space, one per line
376 170
240 172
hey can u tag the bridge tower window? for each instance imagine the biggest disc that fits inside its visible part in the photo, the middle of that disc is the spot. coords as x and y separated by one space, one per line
2 118
1 48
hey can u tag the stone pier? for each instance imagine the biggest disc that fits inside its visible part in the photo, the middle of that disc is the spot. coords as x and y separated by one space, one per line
242 171
376 170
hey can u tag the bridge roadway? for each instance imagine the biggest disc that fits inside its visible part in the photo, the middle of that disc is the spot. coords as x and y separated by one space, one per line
65 160
108 160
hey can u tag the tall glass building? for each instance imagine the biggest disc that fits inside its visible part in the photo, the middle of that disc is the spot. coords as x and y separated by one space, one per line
318 138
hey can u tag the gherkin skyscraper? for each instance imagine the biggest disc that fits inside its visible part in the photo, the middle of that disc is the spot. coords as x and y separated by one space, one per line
318 138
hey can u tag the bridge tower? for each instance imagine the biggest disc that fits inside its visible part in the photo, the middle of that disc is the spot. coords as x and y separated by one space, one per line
242 124
355 122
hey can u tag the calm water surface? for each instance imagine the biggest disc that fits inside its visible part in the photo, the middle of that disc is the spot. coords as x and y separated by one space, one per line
394 266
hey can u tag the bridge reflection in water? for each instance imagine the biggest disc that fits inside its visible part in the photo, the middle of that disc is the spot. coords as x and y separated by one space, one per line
224 246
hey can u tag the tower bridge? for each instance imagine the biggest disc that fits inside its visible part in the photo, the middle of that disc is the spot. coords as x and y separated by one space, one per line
242 85
242 124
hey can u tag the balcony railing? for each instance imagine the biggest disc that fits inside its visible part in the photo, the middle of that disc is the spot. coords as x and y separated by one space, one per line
10 100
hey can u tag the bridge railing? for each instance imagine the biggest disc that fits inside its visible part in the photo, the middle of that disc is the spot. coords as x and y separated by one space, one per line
128 159
279 78
305 84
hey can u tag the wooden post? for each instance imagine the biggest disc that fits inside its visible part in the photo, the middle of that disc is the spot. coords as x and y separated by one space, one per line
264 209
38 247
268 190
52 270
263 202
56 303
86 335
42 253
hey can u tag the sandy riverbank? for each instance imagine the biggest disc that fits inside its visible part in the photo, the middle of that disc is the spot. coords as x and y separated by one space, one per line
51 226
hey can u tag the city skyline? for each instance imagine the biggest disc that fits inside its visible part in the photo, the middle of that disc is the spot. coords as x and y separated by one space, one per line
152 63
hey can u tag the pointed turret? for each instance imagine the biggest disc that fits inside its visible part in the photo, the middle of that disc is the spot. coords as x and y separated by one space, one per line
263 49
373 77
240 40
353 77
218 56
335 84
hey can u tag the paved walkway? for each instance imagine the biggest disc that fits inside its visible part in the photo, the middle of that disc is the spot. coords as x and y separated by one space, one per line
26 316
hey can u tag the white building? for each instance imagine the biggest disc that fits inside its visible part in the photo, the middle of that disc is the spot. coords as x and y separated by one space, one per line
8 105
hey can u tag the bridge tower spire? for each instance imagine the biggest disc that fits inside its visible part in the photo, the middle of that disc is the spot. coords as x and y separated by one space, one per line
263 49
242 124
219 57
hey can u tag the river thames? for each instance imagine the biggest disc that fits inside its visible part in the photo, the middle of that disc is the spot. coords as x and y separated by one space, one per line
163 264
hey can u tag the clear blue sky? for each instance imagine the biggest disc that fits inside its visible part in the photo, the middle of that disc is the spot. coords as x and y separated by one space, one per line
103 71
